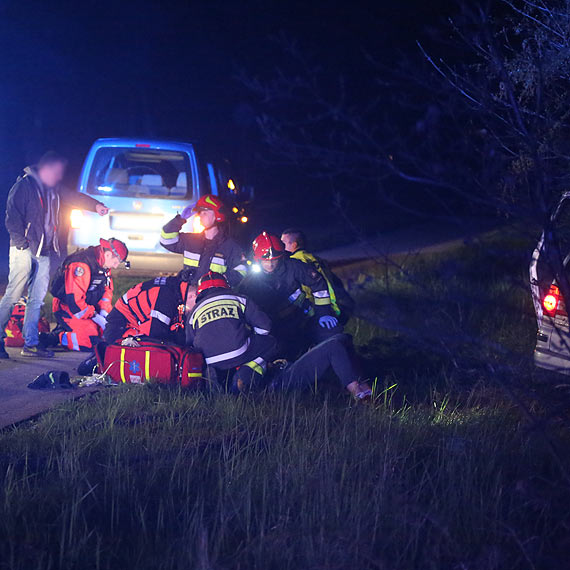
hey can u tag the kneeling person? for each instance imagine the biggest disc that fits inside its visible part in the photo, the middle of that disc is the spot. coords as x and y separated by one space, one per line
231 331
153 308
83 293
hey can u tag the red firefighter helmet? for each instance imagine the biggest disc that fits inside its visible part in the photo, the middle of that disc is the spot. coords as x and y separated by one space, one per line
267 246
117 247
211 279
211 202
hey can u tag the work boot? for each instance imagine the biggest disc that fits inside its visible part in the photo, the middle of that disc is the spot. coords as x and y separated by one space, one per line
3 354
36 352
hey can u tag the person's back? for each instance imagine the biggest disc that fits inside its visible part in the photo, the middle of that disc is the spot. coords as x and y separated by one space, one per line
151 308
229 329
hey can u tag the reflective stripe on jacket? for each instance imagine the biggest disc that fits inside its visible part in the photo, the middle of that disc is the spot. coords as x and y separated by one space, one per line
221 254
222 323
83 286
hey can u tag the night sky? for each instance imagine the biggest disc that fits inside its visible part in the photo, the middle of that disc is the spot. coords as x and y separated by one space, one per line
73 72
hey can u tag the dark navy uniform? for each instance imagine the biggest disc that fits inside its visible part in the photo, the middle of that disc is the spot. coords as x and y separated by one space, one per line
282 296
231 331
221 254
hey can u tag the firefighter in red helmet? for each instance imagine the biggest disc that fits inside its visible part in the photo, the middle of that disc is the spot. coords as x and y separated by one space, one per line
82 290
277 287
231 331
211 250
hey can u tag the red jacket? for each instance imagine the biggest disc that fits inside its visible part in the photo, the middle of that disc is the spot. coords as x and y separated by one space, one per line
82 286
151 308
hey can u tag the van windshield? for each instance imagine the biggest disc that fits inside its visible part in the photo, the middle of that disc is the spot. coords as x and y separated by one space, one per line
140 172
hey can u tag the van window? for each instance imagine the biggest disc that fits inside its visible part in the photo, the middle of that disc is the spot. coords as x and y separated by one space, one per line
141 173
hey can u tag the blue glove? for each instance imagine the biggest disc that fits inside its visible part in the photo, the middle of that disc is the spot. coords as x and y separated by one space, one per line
328 322
187 212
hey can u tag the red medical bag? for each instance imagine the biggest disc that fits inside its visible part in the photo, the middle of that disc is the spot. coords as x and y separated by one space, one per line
190 368
154 361
14 326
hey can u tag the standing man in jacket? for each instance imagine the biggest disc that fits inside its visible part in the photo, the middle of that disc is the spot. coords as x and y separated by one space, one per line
32 220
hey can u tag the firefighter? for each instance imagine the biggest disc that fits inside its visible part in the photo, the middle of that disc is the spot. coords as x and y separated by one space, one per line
211 250
83 293
231 331
341 302
277 287
153 308
335 353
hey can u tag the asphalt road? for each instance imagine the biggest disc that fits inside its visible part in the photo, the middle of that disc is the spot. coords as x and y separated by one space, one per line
428 236
17 401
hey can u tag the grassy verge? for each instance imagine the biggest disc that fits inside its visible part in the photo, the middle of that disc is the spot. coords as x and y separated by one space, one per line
444 471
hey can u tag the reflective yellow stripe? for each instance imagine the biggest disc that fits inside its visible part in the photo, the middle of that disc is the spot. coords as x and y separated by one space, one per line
217 268
255 367
215 304
306 257
122 365
325 301
191 262
168 235
147 364
194 375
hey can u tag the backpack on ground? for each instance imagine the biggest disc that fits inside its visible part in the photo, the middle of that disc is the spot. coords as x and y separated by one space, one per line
13 330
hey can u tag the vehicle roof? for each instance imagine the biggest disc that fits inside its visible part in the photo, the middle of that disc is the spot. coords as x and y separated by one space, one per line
157 144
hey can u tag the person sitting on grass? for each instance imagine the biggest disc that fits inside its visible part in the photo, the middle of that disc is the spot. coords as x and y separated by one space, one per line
335 353
231 331
341 302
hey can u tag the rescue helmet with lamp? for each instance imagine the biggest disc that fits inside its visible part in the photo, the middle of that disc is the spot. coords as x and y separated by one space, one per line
267 246
211 280
117 248
211 202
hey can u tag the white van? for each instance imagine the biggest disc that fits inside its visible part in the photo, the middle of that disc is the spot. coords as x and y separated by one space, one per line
145 184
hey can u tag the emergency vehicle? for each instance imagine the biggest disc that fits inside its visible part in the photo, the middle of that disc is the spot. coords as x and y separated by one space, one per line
145 183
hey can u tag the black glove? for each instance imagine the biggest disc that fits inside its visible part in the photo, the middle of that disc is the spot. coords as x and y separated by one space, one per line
25 245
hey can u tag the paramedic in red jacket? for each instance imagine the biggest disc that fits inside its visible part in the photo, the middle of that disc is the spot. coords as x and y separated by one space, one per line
153 308
83 293
231 332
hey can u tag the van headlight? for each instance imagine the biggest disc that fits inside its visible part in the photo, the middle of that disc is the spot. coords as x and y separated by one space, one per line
197 226
76 219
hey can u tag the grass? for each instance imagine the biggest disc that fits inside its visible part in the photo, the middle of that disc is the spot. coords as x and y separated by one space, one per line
444 471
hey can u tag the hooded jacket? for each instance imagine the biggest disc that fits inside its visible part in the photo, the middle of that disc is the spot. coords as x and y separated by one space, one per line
27 208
